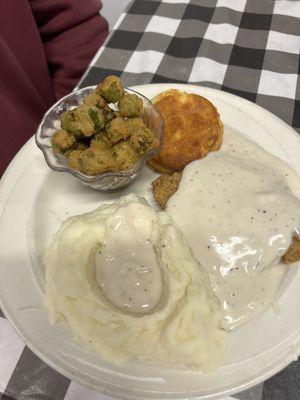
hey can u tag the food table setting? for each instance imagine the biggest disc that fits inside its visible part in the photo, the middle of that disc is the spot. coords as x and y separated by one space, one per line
243 56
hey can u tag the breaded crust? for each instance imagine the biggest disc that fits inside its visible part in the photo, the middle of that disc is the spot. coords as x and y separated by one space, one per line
192 128
293 252
164 187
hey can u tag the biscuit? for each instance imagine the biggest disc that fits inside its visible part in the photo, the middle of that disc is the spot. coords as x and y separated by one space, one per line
192 128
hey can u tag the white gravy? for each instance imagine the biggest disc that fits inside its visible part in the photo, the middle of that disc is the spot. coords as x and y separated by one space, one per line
126 265
238 209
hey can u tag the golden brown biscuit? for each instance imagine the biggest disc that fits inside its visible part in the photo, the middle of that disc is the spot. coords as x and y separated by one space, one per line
293 252
192 128
164 187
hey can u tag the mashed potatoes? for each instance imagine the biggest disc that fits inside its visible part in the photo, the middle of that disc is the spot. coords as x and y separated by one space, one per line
126 282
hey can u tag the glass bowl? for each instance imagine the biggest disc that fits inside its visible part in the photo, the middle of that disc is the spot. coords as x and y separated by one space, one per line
106 181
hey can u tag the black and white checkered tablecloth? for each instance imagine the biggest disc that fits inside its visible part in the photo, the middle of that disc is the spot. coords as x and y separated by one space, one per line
249 48
246 47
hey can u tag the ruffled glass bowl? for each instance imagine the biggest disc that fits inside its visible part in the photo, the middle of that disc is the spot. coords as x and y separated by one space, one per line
106 181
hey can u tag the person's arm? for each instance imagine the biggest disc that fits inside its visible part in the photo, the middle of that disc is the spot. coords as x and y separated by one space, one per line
72 31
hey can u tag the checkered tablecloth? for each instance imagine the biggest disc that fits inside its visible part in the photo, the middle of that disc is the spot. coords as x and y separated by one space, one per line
246 47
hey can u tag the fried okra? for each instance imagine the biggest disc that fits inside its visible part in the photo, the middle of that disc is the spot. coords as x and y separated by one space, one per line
131 106
94 99
109 115
135 123
94 161
125 156
141 139
100 158
73 159
83 120
111 89
62 141
117 130
100 141
69 121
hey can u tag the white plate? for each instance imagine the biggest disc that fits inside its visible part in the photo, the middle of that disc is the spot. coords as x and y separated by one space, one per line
35 200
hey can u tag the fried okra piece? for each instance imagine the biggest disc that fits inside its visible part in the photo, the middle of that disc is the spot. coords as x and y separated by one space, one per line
109 115
111 89
83 120
293 252
164 187
94 99
97 117
131 106
62 141
136 123
100 141
73 159
117 129
141 139
94 161
125 156
69 121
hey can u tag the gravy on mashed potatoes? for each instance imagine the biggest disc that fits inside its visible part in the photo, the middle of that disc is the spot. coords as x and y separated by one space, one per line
127 283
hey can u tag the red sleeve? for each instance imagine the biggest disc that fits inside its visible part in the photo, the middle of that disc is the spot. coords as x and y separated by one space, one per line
72 31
